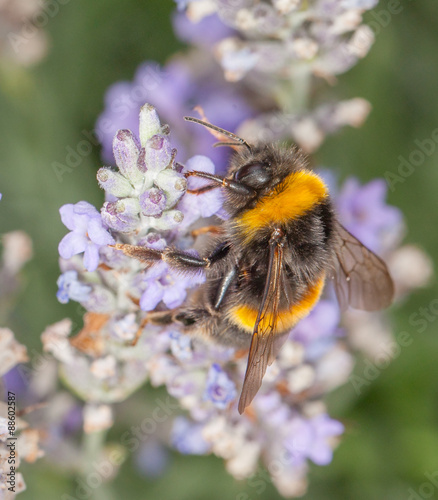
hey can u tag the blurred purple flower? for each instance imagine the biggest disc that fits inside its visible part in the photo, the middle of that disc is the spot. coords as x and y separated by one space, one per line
220 389
16 381
152 458
69 287
87 233
182 4
322 322
72 420
181 345
187 437
205 32
206 204
174 90
364 212
310 439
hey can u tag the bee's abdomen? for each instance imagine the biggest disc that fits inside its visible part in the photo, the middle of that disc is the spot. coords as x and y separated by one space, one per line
244 316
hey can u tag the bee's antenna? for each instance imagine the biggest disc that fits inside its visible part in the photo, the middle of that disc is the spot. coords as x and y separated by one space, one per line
239 140
230 144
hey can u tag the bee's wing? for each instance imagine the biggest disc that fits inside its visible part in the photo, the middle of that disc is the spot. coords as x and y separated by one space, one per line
361 277
264 344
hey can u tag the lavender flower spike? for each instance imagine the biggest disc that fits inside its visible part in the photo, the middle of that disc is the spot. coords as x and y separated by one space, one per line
148 186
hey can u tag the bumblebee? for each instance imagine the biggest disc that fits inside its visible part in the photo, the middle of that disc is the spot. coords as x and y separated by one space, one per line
266 265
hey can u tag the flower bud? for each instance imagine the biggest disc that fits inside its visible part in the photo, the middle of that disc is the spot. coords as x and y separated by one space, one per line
173 184
126 154
101 300
158 153
141 161
152 202
149 123
169 220
114 183
121 215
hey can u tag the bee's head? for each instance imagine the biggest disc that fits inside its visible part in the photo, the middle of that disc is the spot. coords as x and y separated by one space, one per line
265 166
256 175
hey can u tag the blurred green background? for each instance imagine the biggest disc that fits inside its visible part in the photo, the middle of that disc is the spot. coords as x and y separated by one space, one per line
392 428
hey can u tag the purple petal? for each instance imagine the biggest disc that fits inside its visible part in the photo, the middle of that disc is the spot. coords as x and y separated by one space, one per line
211 202
187 437
206 32
72 244
91 257
98 234
326 426
157 270
321 453
151 296
174 297
85 208
67 216
201 164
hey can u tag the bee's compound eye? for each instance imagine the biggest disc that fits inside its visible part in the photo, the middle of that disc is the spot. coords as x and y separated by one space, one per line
253 175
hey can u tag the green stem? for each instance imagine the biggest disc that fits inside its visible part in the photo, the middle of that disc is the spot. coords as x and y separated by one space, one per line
92 446
294 96
92 451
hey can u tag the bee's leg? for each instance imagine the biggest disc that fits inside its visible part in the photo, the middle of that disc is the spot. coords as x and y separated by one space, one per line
177 259
225 284
207 229
203 189
234 186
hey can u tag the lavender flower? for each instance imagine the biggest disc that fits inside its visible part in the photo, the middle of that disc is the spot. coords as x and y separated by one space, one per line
71 288
322 322
187 437
148 184
167 285
220 390
205 32
364 212
278 48
326 39
152 459
310 439
87 234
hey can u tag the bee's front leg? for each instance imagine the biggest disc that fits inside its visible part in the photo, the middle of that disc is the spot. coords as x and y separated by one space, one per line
231 185
177 259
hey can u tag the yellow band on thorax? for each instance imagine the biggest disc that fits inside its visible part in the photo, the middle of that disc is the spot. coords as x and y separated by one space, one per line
295 196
